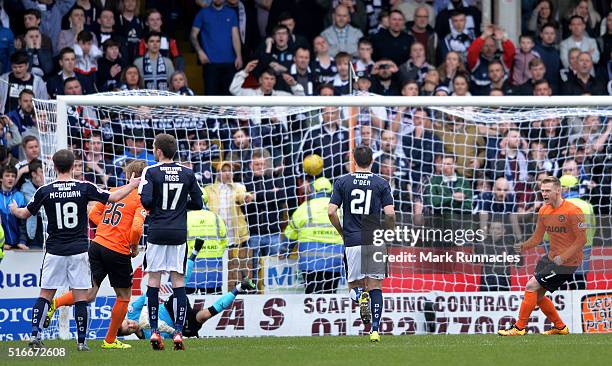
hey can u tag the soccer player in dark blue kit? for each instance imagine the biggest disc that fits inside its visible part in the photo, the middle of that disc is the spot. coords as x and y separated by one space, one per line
364 196
66 263
167 190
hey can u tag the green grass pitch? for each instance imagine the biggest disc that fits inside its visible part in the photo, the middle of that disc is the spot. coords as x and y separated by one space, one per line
572 350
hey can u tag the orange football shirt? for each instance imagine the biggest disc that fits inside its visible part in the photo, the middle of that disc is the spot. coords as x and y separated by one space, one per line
119 224
566 228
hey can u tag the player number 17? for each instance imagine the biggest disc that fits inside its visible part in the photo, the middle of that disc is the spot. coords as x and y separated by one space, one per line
178 187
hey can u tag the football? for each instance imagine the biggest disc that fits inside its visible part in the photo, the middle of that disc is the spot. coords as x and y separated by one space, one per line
313 165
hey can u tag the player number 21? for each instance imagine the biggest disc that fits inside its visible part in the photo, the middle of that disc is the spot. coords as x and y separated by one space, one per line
360 201
178 187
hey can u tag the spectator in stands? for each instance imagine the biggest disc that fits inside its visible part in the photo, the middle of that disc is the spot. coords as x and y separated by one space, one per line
401 117
81 120
547 49
364 64
606 45
421 145
590 17
131 27
537 72
97 168
324 64
543 15
267 81
571 167
217 42
542 88
301 71
87 55
34 225
14 228
539 161
295 40
7 47
356 11
460 85
459 39
10 137
277 54
497 81
432 80
552 132
466 143
203 155
68 37
484 50
448 192
329 140
225 198
154 68
401 189
92 11
341 36
570 72
366 137
593 134
520 66
578 39
40 59
420 29
416 67
495 275
266 212
131 79
179 84
108 76
105 30
169 47
390 147
444 24
31 19
384 80
342 81
239 153
393 43
500 206
67 61
23 116
12 83
584 82
31 151
410 8
452 64
136 148
52 12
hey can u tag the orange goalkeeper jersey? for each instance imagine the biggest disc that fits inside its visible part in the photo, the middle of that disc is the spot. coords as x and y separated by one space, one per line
119 224
566 228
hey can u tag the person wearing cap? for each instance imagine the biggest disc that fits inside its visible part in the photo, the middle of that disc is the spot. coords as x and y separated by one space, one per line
207 228
569 191
225 199
320 248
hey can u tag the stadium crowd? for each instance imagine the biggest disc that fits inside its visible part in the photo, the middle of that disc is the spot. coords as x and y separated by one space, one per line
251 167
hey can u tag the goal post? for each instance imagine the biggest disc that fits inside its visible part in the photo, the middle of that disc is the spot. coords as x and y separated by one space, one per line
452 162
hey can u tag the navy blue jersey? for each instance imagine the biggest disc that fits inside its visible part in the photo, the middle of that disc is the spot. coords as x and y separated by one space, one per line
362 195
65 204
168 190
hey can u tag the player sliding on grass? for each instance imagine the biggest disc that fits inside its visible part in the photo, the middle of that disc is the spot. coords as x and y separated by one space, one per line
66 262
119 228
363 196
167 190
566 226
137 321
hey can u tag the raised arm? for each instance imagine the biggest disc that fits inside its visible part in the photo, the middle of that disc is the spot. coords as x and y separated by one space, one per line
123 192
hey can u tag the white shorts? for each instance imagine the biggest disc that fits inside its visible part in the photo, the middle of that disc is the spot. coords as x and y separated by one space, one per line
60 271
165 258
361 264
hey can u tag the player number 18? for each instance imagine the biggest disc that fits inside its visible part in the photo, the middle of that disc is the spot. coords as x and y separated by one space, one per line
67 215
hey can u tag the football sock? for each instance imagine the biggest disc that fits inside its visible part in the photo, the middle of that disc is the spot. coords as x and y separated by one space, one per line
39 312
354 294
80 316
376 301
548 308
117 315
180 308
153 306
224 302
527 306
65 300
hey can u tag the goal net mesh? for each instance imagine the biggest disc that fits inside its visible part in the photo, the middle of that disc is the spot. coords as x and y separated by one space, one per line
469 166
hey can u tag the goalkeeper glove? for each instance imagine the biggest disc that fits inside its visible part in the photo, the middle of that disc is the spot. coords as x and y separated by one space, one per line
199 243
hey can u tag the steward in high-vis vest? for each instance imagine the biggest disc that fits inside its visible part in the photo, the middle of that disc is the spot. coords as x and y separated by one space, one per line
569 190
204 225
320 247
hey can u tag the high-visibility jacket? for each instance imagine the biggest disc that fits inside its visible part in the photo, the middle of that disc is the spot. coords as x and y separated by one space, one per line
320 246
2 241
208 266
